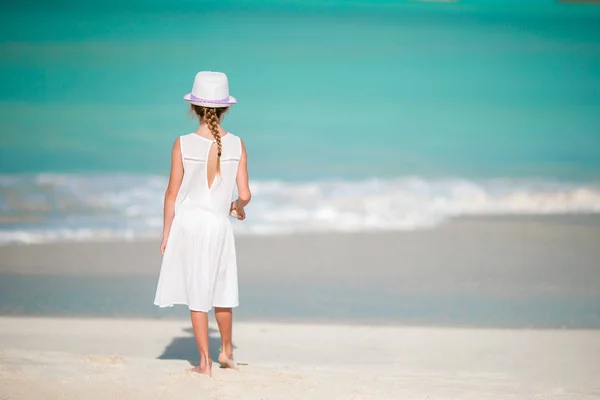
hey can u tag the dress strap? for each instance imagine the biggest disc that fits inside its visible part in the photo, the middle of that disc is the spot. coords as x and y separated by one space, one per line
181 146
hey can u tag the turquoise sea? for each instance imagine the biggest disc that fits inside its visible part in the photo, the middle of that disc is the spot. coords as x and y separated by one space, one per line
357 115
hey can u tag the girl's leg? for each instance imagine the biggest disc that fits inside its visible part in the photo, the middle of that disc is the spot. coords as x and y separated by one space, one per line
224 318
200 325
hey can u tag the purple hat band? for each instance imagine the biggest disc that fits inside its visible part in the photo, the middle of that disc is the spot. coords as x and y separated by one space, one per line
191 97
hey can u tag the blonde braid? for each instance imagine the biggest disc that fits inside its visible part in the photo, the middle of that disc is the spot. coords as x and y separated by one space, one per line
213 124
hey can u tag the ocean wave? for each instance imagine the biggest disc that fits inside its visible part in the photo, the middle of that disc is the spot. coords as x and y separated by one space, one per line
71 207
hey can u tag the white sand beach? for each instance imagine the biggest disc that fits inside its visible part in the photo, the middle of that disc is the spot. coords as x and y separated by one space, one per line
356 316
51 358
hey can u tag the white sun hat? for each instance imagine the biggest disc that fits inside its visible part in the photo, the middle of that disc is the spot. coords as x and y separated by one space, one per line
211 89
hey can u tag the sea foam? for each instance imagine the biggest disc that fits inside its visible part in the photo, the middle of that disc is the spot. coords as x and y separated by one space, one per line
71 207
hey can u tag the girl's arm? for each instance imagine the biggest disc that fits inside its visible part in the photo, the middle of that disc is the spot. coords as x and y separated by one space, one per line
244 194
171 194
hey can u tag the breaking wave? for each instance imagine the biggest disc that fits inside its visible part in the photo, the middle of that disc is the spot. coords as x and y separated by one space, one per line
72 207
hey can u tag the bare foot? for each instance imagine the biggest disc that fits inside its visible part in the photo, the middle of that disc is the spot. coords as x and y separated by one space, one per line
227 361
203 370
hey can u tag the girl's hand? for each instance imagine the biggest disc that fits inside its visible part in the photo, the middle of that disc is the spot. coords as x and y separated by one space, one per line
241 214
163 244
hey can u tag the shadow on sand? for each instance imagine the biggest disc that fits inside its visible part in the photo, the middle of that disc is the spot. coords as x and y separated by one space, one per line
184 348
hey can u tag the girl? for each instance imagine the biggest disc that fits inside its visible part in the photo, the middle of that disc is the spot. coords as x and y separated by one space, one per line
199 262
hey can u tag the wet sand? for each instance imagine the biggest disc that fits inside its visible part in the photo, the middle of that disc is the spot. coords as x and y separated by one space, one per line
506 272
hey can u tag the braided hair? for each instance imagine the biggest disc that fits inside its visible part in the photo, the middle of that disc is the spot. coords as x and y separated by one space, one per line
212 116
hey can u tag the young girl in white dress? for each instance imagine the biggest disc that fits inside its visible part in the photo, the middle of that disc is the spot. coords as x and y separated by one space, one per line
199 262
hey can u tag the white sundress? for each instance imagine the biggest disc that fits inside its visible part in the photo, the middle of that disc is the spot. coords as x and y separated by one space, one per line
199 267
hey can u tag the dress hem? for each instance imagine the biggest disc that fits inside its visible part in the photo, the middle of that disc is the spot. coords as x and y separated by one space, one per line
195 309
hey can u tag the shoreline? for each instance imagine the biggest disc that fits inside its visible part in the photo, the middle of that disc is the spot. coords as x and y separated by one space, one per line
300 323
536 273
586 218
460 225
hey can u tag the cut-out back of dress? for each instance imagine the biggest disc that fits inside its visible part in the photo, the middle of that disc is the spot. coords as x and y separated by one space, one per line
201 187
